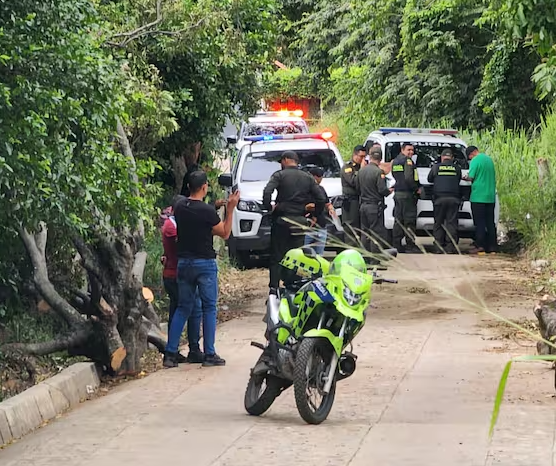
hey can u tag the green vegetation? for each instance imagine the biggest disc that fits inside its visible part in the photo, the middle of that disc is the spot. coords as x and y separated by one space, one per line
105 105
417 62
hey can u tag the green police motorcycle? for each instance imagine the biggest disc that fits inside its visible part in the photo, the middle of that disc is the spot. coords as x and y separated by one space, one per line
310 324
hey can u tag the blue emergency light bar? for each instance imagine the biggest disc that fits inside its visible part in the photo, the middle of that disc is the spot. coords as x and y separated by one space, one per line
326 135
446 132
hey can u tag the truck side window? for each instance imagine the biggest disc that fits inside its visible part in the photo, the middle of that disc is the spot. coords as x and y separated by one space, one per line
392 151
369 144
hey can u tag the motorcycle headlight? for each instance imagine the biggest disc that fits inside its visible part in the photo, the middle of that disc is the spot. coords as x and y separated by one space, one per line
248 206
351 298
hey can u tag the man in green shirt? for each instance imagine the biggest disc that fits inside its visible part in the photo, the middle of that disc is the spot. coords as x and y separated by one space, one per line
483 198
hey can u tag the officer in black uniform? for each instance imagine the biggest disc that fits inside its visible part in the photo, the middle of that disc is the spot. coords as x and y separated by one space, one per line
296 189
445 176
372 189
406 190
350 206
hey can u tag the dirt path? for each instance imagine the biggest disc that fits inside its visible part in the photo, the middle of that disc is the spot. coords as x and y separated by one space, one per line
423 392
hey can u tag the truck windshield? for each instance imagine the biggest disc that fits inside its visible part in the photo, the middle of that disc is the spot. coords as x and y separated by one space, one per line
428 153
259 166
274 127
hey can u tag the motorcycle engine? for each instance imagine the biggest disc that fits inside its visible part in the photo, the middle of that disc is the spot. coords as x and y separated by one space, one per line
285 362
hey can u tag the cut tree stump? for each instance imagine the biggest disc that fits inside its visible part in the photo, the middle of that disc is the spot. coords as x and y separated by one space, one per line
117 358
545 312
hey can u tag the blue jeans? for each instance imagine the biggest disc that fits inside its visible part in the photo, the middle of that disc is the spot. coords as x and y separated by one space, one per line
317 240
194 321
195 276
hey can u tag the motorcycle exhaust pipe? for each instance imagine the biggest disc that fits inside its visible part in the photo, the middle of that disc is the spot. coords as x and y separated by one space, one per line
346 365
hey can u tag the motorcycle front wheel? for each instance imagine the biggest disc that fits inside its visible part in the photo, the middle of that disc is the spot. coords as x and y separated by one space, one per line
262 390
312 364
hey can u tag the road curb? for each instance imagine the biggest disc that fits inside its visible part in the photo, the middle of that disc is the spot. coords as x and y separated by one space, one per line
37 405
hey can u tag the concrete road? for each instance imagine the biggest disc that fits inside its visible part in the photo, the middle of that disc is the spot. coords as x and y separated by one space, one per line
423 392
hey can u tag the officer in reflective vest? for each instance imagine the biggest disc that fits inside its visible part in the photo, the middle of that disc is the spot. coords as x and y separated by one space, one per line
350 206
445 176
406 192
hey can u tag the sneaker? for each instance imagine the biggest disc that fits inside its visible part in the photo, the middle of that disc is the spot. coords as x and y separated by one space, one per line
170 360
181 358
479 251
195 357
213 360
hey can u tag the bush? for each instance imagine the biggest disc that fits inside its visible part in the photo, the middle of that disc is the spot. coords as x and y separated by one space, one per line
525 206
347 134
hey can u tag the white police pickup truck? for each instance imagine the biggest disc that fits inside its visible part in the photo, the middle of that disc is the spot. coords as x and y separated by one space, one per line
428 144
257 160
268 124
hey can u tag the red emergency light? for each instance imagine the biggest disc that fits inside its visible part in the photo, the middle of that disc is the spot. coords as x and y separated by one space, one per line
282 113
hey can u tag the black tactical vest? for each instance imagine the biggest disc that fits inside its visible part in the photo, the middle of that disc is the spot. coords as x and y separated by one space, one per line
446 181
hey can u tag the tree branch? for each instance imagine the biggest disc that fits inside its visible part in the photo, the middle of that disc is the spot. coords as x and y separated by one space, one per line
133 33
139 266
35 246
126 150
87 258
147 29
49 347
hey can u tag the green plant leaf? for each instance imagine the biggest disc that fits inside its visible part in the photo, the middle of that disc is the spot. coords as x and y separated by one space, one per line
499 397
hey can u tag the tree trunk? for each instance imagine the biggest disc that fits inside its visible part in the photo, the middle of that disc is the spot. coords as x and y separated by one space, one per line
183 162
180 169
107 321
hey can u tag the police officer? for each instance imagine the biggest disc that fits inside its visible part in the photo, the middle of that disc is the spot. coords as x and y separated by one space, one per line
445 176
350 206
406 194
372 189
296 189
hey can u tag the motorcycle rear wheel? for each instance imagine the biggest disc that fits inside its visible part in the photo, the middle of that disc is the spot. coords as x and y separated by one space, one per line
261 391
308 380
